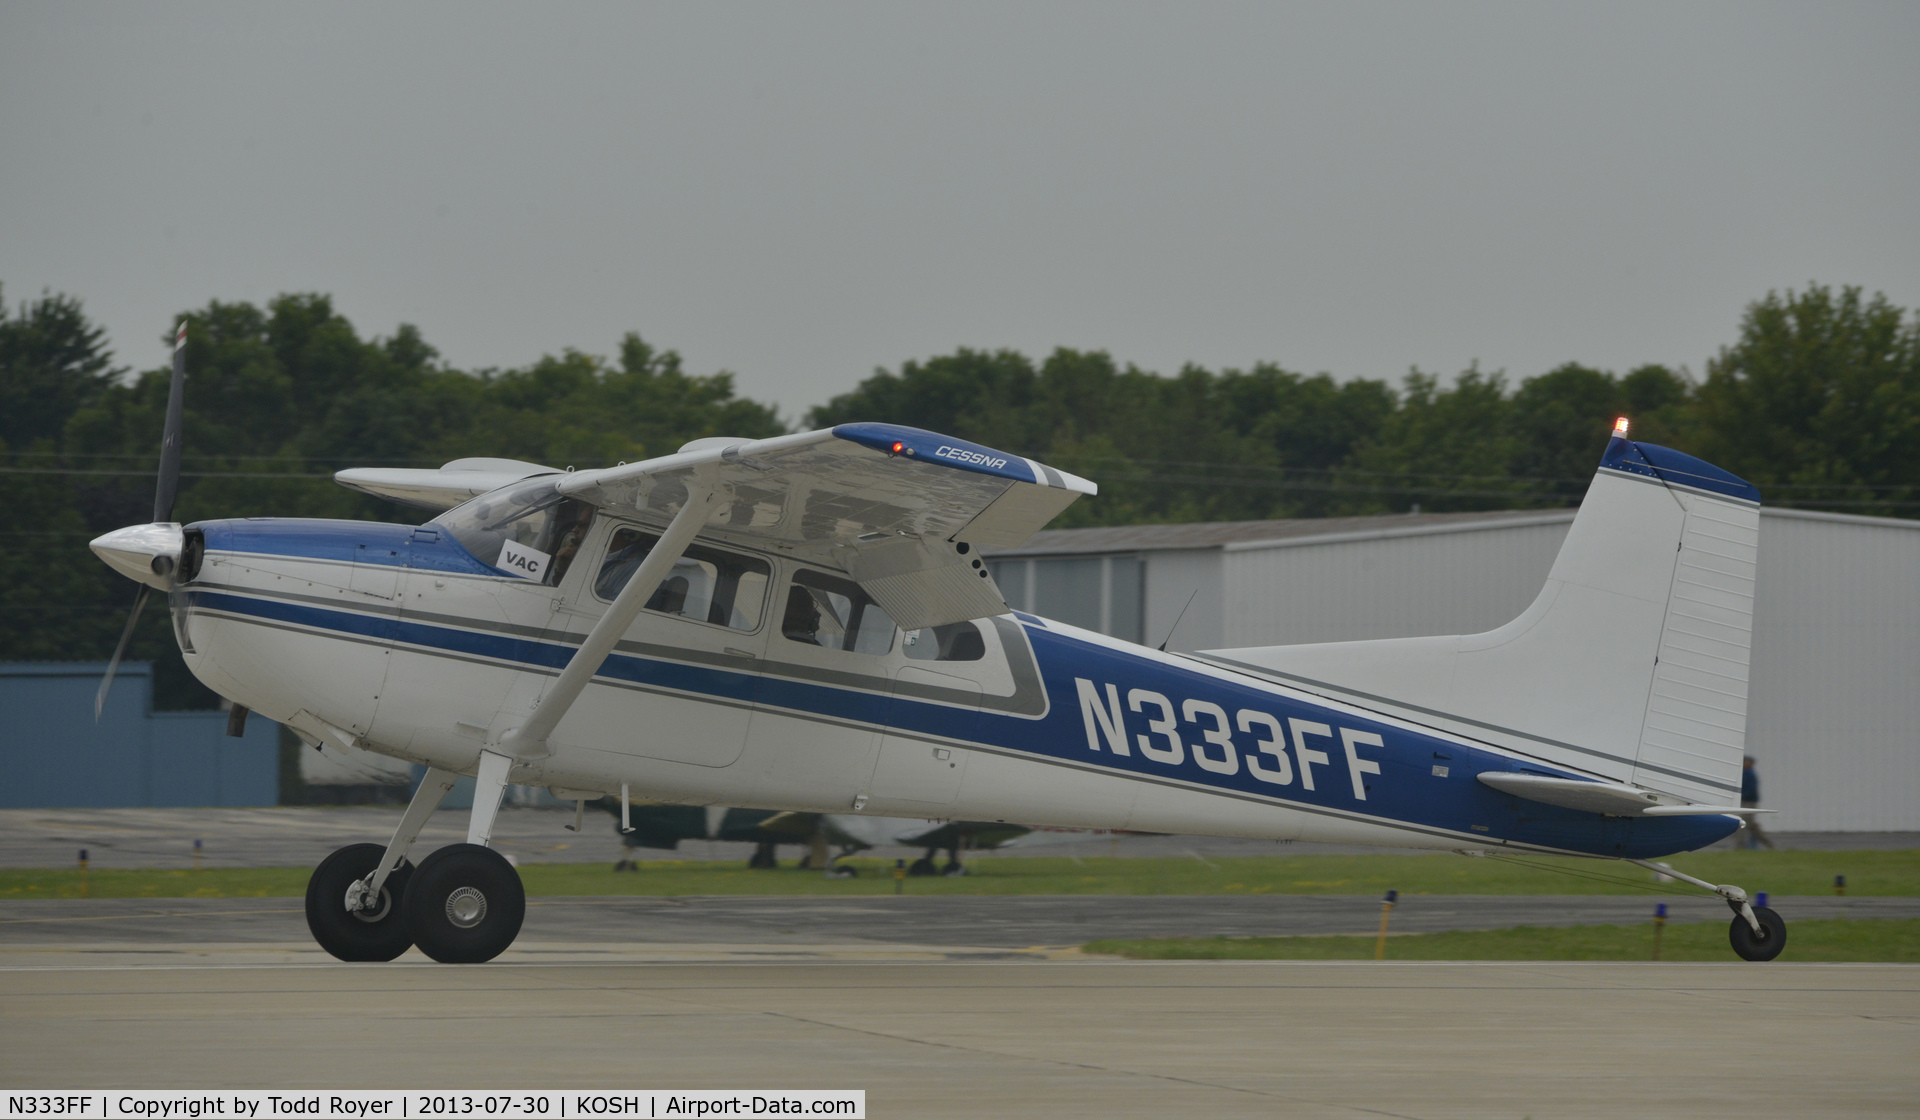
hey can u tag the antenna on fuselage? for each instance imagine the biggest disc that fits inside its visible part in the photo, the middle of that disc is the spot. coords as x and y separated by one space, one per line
1176 621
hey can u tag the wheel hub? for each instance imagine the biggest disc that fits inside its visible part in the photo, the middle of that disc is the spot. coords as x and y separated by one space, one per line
372 915
466 907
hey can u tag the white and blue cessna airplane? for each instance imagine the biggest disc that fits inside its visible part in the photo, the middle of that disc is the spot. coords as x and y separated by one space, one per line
805 623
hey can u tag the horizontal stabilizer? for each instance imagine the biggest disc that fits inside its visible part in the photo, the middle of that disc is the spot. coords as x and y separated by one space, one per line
1613 798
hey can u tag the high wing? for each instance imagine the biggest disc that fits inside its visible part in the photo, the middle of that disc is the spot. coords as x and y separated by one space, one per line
905 512
440 489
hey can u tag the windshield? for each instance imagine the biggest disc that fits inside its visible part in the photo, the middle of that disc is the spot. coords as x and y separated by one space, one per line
528 531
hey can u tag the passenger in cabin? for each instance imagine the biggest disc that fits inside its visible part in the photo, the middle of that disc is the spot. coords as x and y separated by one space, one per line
672 596
802 620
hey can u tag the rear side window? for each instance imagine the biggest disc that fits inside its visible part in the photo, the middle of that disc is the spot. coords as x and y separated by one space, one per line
956 641
706 585
833 613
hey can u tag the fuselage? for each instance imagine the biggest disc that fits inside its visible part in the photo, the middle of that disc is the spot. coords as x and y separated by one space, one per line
401 640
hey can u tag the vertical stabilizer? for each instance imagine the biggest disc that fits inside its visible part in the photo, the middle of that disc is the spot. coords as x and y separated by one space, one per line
1631 665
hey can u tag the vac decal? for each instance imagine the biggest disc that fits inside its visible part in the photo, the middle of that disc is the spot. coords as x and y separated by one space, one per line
1216 751
521 560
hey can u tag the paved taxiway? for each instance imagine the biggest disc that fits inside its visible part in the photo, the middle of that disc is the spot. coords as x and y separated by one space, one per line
1003 922
950 1038
303 836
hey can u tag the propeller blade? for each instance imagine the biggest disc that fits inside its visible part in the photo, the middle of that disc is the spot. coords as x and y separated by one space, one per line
106 682
169 482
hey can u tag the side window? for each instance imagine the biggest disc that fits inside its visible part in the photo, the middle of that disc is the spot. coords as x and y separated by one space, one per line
833 613
956 641
705 585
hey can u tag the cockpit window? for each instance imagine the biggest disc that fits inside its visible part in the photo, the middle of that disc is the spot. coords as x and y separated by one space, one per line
528 531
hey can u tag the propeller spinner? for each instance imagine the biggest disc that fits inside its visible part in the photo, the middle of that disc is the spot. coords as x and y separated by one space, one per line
150 553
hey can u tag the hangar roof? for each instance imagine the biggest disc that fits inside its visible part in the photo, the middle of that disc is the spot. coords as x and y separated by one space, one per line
1255 534
1235 536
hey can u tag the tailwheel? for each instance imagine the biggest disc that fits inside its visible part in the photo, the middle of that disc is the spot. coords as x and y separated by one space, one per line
464 904
375 934
1763 945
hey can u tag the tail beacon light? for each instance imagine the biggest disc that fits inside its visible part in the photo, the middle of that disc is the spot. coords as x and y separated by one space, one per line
1620 427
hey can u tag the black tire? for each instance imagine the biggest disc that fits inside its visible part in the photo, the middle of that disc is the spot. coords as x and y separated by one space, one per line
922 867
1762 946
464 904
380 936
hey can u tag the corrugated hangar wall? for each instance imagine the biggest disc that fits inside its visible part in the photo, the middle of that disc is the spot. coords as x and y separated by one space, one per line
1834 693
1833 716
1386 584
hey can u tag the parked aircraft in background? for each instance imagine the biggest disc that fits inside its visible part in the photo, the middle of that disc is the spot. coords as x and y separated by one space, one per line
805 624
827 836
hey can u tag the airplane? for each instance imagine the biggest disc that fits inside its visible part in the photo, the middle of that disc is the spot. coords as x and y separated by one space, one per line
805 624
665 826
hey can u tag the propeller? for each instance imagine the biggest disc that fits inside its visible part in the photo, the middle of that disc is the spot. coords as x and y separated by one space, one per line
150 553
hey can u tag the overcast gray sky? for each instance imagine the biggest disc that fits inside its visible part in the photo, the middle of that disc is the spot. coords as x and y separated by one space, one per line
800 193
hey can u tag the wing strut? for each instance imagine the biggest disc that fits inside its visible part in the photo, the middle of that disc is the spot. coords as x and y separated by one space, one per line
529 739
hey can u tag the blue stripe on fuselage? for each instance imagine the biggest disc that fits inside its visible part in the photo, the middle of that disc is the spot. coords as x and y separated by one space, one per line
427 547
1406 789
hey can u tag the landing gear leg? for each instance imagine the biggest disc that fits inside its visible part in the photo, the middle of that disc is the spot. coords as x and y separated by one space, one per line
464 903
353 898
1757 933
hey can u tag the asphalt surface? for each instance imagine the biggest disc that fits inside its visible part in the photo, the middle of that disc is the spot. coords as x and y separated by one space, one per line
302 837
971 1038
1002 921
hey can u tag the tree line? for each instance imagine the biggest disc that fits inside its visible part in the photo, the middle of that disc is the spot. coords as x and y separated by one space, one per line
1816 400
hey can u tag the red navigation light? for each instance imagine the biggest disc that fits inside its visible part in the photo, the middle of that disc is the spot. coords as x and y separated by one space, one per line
898 447
1620 427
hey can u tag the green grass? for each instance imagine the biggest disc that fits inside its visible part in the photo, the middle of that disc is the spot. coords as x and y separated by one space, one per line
1819 939
1781 873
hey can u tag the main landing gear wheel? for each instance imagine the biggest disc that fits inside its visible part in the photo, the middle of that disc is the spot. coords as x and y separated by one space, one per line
1764 945
380 934
464 904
